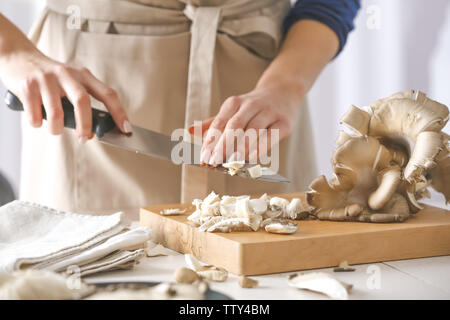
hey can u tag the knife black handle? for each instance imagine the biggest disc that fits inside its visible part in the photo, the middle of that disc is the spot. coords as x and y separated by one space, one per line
102 121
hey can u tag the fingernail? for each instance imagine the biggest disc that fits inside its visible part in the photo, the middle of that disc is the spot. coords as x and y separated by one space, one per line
216 159
83 139
204 156
127 127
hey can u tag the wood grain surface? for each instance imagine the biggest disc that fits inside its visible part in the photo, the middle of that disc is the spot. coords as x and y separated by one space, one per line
316 244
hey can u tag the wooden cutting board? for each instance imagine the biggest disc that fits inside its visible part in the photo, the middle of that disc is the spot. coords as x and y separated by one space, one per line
316 244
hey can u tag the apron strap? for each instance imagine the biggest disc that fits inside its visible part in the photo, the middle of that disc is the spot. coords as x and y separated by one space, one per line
205 21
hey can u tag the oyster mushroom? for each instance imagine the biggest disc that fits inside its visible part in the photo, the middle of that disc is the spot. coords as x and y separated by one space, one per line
409 121
377 178
364 182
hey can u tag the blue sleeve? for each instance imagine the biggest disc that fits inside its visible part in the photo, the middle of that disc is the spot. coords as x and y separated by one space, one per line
336 14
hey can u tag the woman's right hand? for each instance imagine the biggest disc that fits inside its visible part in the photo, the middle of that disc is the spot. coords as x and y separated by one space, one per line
38 80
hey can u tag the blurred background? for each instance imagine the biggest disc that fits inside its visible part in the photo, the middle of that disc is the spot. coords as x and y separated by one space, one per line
397 45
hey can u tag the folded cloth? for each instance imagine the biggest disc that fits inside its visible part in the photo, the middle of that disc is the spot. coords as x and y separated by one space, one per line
119 260
121 241
36 236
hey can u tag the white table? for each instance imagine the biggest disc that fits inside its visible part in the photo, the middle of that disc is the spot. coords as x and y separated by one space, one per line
427 278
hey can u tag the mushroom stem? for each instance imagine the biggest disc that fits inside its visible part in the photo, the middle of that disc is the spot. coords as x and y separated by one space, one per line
390 178
428 145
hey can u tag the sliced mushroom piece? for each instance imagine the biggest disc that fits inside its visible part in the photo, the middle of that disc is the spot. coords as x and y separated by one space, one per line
281 227
232 224
172 212
259 206
210 222
214 274
321 282
157 250
273 214
255 171
243 208
233 167
277 203
245 282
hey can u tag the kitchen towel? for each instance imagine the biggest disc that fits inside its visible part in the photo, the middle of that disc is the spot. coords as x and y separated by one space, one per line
35 236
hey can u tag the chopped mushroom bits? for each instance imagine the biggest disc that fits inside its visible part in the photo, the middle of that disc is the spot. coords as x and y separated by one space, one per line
227 213
172 212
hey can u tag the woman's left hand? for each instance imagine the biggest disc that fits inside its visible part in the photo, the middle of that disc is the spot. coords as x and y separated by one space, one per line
269 108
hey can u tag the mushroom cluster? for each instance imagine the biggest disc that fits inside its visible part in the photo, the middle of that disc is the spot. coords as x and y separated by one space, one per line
241 213
394 151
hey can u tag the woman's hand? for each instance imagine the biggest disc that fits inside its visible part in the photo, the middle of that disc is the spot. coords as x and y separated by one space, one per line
306 50
36 79
267 107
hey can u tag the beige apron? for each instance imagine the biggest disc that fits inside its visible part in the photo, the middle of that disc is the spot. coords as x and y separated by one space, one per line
171 62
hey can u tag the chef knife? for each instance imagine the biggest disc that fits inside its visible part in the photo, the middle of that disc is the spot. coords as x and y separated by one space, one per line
140 140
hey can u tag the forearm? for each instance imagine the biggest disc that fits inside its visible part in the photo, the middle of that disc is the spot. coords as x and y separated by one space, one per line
307 49
12 40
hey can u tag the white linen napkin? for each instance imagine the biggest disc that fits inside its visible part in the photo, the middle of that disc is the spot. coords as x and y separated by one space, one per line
36 236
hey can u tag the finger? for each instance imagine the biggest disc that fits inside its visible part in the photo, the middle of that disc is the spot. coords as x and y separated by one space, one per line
283 130
200 130
228 109
227 146
267 138
235 141
261 120
109 97
253 130
51 98
32 101
80 99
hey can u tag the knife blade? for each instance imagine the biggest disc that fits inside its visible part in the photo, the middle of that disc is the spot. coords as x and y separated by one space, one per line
141 140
